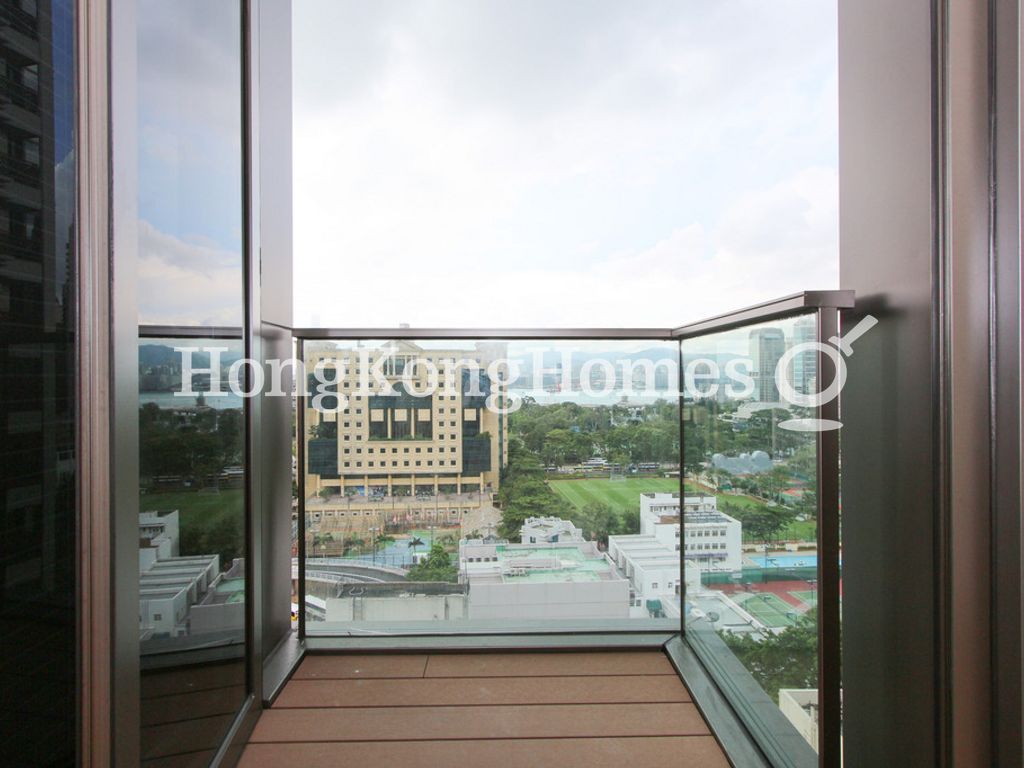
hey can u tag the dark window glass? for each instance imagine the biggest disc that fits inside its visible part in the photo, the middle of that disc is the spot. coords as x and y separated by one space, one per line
37 382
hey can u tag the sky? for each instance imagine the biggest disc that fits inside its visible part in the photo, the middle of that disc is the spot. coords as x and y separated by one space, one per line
569 164
190 163
581 163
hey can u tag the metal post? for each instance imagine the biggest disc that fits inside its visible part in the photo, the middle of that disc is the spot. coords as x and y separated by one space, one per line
300 478
829 669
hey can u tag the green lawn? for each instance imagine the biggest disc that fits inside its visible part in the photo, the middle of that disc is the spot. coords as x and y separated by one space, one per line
621 495
624 496
800 530
199 512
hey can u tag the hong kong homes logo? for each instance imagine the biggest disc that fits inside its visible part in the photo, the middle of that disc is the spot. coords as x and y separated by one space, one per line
505 382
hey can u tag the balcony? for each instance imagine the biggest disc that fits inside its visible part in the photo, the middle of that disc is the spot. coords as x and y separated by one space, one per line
516 710
580 494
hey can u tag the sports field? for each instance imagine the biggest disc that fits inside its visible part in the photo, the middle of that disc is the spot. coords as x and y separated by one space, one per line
809 597
621 495
199 512
770 610
624 496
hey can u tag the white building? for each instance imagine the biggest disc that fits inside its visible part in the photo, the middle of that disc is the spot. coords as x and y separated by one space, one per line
392 609
549 530
184 595
652 569
800 706
168 588
713 539
541 581
158 537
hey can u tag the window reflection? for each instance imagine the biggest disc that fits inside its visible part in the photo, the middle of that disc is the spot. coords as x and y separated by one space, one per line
192 510
750 532
38 462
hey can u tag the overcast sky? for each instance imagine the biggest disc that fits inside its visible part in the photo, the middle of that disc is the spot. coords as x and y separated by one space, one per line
538 163
571 163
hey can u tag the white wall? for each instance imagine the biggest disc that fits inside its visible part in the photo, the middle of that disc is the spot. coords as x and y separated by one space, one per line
550 600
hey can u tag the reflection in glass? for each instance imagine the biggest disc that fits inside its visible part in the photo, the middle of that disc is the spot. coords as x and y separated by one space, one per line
190 155
490 485
192 586
192 510
750 528
38 462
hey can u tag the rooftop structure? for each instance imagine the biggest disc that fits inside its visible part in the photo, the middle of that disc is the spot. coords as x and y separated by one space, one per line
549 530
158 537
540 581
168 588
714 540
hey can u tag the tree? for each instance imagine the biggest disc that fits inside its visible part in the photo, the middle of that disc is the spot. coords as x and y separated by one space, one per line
415 543
524 492
597 520
436 566
352 543
225 538
761 523
786 660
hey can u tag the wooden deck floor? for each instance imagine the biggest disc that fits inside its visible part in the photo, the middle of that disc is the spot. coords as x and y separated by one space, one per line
509 710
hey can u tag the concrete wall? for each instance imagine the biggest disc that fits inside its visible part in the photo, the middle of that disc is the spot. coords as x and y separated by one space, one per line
552 600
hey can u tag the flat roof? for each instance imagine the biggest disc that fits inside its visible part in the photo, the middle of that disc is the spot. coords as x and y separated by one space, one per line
541 565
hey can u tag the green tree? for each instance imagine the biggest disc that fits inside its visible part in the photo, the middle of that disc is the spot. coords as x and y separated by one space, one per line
786 660
524 492
225 538
436 566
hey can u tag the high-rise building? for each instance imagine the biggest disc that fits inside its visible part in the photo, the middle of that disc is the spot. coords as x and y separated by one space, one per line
429 451
37 378
804 371
767 346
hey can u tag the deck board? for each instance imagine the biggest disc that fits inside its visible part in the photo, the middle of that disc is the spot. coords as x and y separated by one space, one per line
434 723
663 752
344 666
482 691
528 710
549 664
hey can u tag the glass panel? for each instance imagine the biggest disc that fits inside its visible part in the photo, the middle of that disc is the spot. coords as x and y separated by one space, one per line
38 286
192 512
523 504
598 157
750 523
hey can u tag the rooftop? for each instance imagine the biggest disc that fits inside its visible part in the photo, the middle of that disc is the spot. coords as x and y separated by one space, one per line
516 563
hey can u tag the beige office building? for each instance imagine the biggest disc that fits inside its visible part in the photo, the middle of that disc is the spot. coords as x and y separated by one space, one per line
426 448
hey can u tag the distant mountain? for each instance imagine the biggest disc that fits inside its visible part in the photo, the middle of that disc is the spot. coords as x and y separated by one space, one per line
161 354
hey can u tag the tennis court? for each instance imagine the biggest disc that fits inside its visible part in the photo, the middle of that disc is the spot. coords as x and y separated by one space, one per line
770 610
808 597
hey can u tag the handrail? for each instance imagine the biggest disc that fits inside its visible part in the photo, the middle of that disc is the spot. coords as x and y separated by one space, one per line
189 332
768 310
482 334
786 306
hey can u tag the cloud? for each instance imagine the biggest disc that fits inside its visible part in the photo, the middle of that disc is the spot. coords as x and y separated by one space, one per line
181 283
560 164
770 243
